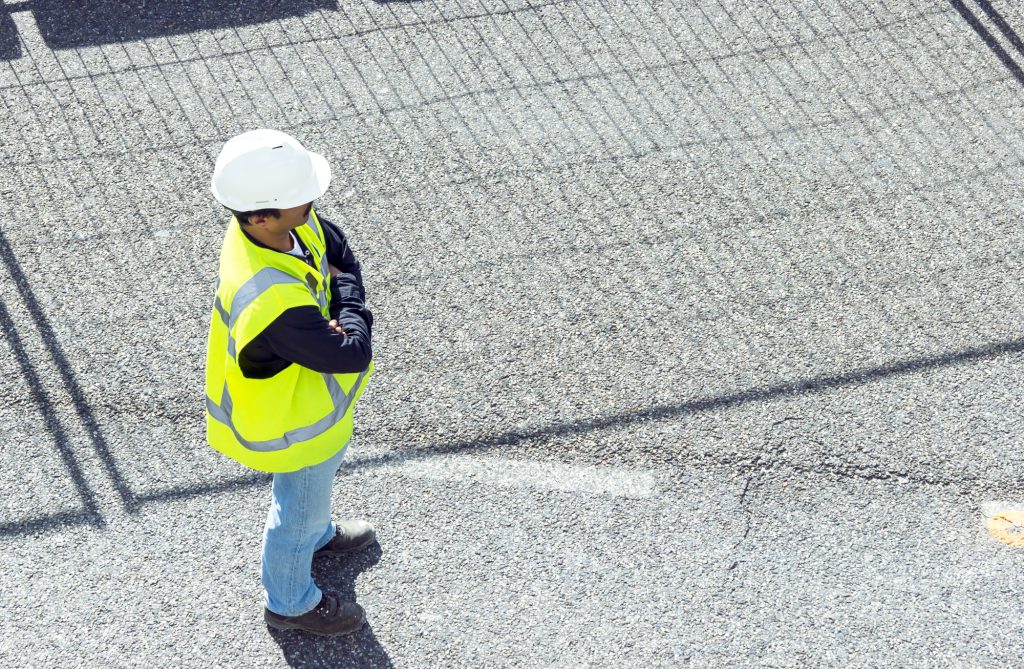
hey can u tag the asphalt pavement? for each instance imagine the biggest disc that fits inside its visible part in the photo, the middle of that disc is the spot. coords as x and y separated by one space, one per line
698 329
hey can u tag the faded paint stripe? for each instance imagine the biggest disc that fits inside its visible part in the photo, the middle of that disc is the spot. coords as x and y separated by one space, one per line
500 472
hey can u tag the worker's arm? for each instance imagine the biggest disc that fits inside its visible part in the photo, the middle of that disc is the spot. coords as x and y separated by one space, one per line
347 295
340 255
301 335
346 272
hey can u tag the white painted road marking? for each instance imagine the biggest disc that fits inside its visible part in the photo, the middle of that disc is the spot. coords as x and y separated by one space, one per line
528 474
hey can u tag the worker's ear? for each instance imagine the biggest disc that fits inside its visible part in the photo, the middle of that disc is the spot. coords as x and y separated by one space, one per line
258 219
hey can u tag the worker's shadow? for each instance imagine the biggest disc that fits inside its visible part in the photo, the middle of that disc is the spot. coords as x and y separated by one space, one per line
359 649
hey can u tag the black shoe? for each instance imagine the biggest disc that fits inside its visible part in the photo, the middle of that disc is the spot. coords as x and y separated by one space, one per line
331 616
350 537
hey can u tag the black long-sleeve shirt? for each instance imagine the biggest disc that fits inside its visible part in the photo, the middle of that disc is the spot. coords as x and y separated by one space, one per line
301 335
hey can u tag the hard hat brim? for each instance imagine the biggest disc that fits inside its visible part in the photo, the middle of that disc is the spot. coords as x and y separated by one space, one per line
318 184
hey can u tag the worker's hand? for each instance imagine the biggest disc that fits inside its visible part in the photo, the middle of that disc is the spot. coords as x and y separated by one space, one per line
334 270
336 327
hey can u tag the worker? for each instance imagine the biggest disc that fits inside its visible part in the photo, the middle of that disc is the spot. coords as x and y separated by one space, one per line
288 357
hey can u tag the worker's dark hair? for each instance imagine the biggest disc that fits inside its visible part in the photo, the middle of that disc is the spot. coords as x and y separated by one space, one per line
243 216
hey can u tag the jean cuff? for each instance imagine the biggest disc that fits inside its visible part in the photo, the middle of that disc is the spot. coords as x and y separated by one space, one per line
332 529
309 603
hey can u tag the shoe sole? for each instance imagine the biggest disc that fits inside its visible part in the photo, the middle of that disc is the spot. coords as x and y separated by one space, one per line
285 625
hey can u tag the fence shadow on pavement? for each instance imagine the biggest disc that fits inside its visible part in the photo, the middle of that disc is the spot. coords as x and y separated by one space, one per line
55 423
360 649
10 47
106 21
64 26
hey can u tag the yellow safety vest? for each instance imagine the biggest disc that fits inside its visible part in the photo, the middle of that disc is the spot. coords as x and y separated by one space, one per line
298 417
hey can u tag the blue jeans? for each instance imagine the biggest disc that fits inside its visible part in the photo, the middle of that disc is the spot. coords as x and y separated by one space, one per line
299 522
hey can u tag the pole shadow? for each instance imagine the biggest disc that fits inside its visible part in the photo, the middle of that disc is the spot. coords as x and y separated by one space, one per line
89 512
50 523
986 35
47 408
1002 24
763 394
513 437
360 649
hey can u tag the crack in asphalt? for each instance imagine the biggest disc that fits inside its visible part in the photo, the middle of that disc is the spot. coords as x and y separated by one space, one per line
748 514
767 465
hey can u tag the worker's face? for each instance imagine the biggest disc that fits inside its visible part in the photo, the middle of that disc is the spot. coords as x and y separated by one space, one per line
290 219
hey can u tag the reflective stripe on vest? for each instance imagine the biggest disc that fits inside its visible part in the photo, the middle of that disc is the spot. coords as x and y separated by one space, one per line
260 283
325 267
312 226
222 414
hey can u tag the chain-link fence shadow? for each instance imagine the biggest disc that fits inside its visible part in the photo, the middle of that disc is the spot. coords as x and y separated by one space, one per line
771 196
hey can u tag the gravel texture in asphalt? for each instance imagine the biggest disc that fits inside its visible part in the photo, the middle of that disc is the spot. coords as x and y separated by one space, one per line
698 329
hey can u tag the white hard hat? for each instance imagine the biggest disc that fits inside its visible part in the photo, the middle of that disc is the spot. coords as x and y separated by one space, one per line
267 169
